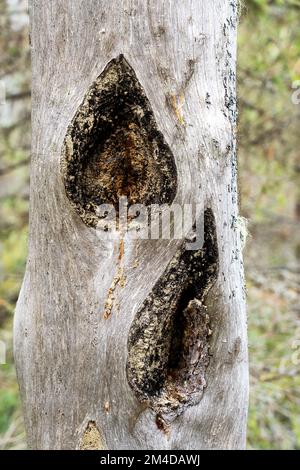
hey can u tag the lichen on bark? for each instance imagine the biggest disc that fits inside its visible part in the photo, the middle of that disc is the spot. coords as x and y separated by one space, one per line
92 439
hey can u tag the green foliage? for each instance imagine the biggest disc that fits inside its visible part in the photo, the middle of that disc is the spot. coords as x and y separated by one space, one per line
269 62
8 403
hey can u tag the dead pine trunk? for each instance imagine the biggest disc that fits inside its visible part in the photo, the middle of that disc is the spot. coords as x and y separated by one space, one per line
125 343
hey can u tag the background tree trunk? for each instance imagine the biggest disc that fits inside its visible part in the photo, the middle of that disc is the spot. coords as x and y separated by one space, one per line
71 354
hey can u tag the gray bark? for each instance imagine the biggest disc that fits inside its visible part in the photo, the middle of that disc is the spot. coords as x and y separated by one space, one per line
70 358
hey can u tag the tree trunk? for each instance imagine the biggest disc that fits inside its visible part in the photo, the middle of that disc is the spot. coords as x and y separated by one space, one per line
121 343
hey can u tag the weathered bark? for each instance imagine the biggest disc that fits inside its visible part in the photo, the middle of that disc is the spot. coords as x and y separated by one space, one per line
86 308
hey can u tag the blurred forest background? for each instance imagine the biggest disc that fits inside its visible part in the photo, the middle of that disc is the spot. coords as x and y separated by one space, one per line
269 169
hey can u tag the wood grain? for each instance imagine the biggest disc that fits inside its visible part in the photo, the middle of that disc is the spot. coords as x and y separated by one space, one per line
70 360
